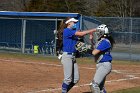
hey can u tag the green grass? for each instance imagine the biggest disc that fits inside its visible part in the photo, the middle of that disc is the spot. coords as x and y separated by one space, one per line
29 57
46 58
131 90
126 62
84 60
127 50
90 60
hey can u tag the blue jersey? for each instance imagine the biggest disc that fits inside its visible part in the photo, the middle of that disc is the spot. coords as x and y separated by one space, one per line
104 46
69 40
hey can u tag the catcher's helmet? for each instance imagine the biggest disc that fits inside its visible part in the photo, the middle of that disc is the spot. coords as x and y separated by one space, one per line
102 30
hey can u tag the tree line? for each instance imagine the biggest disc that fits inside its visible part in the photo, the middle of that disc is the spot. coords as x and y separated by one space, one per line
108 8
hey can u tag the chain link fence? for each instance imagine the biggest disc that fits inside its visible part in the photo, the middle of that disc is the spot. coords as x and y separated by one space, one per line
38 33
41 33
126 32
10 34
31 32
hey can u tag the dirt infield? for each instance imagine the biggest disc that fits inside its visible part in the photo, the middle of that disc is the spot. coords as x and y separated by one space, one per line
30 76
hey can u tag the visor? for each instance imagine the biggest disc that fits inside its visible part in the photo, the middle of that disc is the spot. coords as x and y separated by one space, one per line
71 20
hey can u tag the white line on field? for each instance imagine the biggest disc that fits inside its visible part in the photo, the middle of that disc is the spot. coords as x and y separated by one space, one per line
87 67
129 77
123 79
46 90
58 89
124 72
40 63
17 61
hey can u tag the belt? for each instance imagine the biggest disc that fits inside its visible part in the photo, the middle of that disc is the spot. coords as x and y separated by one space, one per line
104 62
69 53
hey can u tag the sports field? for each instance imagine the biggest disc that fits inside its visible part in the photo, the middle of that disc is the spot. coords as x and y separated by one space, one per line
20 73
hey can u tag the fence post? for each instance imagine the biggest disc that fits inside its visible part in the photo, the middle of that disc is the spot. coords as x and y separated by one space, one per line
23 35
130 47
55 38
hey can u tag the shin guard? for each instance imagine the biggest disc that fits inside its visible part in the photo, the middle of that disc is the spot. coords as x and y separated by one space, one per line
94 88
64 88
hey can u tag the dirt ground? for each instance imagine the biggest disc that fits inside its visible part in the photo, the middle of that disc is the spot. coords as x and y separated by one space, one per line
24 76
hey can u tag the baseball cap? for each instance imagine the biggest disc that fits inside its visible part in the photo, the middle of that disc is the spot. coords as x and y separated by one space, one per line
71 20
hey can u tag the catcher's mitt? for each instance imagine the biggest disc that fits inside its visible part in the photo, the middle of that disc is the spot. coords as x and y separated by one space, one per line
82 47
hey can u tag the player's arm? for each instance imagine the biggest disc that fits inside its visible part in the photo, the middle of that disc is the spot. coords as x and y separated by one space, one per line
95 52
79 33
91 39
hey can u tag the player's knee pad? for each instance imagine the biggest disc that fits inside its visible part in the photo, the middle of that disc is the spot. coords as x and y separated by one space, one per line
94 87
67 81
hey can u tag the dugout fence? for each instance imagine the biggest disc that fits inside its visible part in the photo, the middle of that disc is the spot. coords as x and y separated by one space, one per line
21 31
21 35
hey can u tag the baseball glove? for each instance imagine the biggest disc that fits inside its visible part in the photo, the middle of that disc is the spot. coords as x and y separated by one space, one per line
82 47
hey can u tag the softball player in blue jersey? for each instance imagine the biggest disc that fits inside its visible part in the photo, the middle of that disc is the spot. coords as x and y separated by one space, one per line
70 67
103 59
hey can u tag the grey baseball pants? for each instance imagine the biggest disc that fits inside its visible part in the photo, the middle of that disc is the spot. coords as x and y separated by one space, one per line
102 70
70 68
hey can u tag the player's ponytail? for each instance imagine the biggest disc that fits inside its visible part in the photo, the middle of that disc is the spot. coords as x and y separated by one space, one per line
62 26
111 39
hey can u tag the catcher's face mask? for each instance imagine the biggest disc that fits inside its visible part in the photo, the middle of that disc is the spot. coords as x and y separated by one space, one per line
102 30
99 34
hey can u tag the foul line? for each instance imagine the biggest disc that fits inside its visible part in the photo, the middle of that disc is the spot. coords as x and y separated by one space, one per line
58 89
40 63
